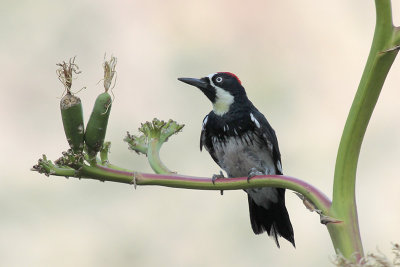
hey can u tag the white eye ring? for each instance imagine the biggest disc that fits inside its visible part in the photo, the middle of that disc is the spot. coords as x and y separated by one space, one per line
218 79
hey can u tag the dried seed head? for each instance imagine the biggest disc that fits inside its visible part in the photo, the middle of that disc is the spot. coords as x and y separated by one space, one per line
65 73
109 71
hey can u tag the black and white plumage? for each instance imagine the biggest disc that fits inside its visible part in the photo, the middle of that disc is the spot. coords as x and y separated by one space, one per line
242 142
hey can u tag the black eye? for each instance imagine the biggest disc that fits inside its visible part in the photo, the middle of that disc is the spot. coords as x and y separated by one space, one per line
218 79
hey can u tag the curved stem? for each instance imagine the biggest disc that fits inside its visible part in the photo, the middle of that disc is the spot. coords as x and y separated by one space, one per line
117 174
179 181
155 134
310 192
153 156
346 237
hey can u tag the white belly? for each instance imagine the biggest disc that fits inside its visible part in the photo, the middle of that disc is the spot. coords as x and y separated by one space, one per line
237 156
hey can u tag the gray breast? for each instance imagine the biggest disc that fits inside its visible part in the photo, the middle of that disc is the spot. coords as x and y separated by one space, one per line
238 155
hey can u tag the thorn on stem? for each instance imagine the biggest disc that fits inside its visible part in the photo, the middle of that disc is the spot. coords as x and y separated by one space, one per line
307 203
134 180
395 48
324 219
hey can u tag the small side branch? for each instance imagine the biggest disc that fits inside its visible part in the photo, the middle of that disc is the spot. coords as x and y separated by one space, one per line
154 135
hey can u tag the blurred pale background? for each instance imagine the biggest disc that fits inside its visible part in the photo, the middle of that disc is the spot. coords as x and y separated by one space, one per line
300 62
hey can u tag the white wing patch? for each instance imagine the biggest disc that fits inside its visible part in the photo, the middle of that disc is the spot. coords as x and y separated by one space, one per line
253 119
204 123
271 148
269 144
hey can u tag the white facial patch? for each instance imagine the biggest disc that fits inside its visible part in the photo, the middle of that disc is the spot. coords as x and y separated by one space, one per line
223 99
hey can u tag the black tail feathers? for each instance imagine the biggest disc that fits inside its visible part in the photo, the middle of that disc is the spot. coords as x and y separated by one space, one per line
274 220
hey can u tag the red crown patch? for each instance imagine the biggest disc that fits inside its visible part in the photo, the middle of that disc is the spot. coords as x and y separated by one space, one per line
231 74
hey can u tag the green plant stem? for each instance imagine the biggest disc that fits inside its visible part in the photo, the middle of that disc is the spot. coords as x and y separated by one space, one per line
396 36
320 201
346 236
102 173
153 156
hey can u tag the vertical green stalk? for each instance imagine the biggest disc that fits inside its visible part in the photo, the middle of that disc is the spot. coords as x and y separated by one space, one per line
346 235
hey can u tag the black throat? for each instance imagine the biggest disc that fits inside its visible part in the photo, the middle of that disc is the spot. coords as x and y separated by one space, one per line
235 122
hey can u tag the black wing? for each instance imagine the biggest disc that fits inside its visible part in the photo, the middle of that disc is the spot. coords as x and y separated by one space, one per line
205 139
264 131
203 133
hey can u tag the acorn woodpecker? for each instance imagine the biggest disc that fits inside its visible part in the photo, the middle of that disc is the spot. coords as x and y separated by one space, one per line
242 142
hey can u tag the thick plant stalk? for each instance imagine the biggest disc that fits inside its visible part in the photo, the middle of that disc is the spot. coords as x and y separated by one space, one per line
346 235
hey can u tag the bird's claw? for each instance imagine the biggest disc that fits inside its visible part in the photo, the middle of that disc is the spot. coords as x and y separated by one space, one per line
216 177
253 172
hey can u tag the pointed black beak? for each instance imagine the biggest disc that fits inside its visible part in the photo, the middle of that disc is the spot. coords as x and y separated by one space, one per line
203 84
199 83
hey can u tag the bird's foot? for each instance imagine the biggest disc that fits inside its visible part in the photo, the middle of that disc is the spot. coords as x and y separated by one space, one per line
216 177
253 172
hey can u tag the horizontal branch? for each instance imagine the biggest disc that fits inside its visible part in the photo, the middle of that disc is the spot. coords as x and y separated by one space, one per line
71 165
310 192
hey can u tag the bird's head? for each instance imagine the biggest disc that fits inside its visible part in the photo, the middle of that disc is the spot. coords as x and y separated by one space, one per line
222 88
